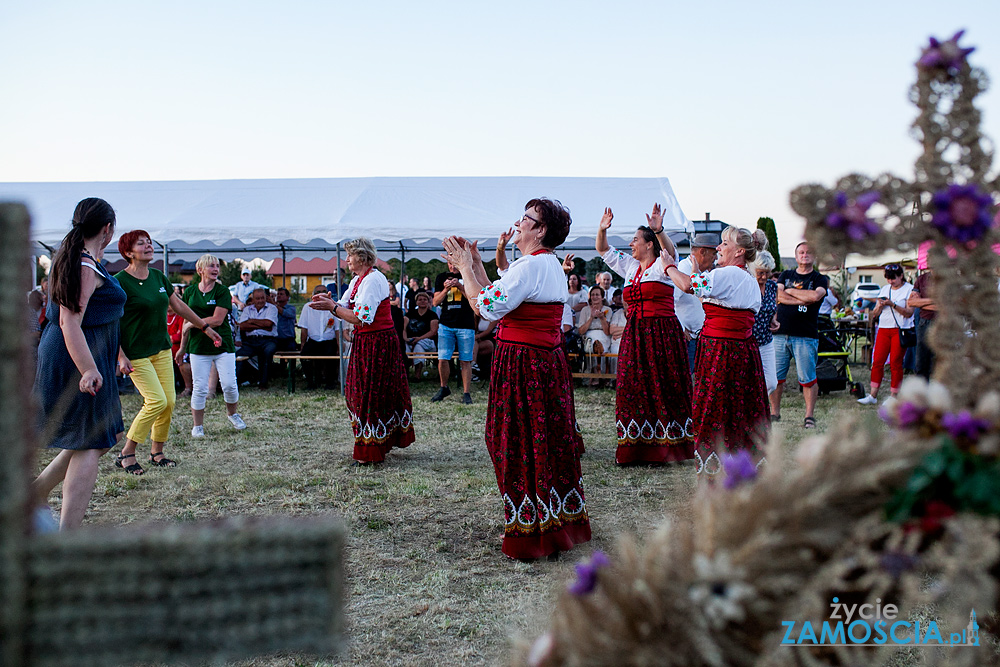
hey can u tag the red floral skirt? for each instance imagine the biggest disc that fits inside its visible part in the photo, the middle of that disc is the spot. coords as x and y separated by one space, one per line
532 438
378 396
653 401
730 409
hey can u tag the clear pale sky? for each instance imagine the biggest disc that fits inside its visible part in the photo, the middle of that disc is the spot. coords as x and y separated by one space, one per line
735 102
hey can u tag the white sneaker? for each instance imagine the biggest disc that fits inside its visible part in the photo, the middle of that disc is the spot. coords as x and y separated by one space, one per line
868 400
198 432
237 422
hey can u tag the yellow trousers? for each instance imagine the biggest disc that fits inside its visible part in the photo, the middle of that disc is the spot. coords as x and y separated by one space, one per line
154 378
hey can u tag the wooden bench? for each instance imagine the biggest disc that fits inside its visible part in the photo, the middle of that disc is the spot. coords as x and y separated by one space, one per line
292 356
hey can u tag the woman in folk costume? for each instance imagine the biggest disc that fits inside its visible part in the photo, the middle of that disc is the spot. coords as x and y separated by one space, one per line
531 422
378 395
730 409
653 401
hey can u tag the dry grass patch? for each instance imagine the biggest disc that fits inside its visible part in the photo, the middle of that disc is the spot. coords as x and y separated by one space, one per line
427 582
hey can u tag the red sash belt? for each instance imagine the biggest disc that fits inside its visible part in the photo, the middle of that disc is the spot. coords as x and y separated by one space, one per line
382 321
727 322
650 299
538 324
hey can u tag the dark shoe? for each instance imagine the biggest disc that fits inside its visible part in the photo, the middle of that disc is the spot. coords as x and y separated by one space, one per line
161 461
467 398
441 394
809 423
134 469
775 418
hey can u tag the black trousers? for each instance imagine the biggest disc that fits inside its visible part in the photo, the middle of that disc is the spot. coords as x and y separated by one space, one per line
317 371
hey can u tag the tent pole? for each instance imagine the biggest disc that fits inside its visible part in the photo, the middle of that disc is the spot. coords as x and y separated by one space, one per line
402 272
284 267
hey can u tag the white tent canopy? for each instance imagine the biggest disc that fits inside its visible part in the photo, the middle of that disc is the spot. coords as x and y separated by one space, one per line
310 217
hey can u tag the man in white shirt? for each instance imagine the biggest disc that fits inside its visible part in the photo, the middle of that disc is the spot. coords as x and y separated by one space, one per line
319 338
242 290
687 307
259 333
604 280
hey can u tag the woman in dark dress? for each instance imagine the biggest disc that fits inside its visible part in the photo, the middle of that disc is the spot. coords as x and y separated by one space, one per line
77 356
653 401
377 393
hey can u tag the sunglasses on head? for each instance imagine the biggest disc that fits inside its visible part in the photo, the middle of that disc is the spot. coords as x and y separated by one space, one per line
893 267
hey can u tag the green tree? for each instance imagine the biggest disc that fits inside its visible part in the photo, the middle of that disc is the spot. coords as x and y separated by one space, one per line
230 274
767 226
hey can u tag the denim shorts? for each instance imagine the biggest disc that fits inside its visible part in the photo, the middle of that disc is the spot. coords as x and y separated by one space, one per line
448 338
804 350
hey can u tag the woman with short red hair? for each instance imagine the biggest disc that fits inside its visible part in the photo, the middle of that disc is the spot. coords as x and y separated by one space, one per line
146 348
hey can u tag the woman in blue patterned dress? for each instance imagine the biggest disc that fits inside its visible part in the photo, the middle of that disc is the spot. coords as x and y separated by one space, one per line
80 412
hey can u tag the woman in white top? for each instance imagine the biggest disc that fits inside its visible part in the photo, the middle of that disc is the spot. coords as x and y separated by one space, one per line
578 294
729 409
893 314
653 396
377 393
594 324
531 421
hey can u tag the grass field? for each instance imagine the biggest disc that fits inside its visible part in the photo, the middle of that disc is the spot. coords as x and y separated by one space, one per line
427 582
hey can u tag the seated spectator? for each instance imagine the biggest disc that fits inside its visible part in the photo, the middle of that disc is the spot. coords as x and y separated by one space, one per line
578 293
482 348
319 338
420 329
617 327
259 329
286 320
594 325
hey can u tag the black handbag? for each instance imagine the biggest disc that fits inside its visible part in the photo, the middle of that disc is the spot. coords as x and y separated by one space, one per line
907 337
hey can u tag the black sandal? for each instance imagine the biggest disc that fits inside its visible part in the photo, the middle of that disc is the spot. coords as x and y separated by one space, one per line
809 423
134 469
162 463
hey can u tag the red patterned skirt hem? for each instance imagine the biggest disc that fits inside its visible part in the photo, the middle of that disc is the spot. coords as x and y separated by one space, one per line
378 396
653 397
730 407
540 546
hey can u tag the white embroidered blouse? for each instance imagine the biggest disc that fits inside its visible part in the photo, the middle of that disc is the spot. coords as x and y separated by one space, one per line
374 289
626 266
729 287
529 278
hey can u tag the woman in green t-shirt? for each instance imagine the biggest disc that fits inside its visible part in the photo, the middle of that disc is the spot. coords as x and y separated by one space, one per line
212 301
145 348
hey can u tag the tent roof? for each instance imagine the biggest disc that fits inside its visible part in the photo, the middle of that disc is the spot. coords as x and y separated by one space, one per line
237 217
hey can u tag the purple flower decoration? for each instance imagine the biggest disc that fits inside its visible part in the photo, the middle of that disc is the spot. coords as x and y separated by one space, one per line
962 212
944 55
851 216
903 414
897 562
739 468
964 426
586 574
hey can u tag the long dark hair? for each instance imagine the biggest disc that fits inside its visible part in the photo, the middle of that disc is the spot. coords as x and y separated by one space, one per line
90 217
647 236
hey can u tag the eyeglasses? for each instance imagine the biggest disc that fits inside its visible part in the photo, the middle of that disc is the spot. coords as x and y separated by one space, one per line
528 217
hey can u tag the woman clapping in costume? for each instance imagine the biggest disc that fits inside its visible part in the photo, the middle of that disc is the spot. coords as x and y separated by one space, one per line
653 401
378 395
531 422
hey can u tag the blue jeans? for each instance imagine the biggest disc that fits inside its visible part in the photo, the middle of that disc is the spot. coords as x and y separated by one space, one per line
448 338
804 350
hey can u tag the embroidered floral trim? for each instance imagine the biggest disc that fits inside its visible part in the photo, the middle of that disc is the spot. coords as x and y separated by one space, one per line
491 295
364 313
701 283
372 433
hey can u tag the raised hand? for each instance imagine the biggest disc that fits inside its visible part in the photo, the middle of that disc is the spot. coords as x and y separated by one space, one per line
458 252
322 302
567 263
655 219
504 239
668 259
474 249
606 219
